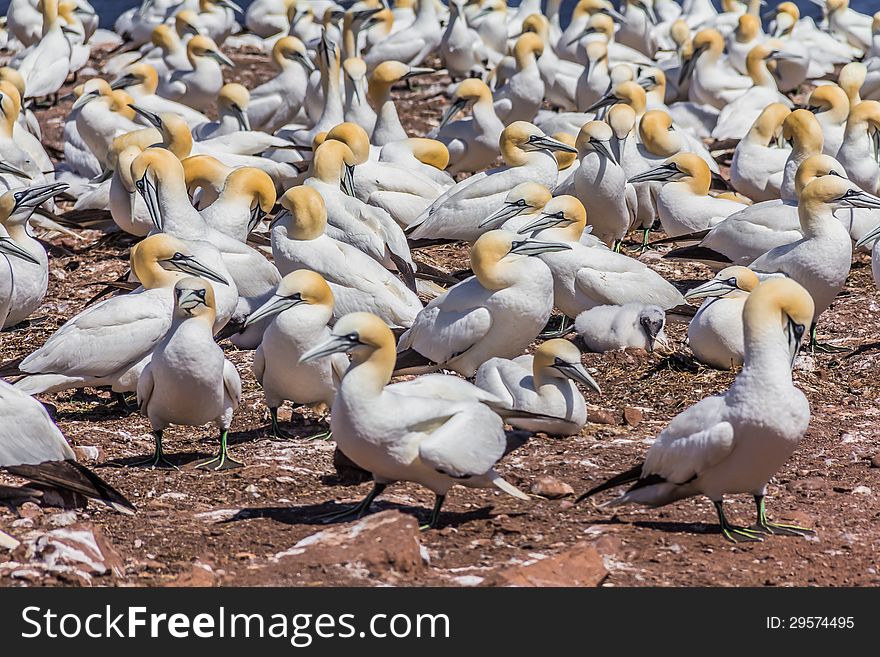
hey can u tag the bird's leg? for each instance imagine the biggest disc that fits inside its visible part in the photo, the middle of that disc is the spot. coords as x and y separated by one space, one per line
158 460
767 527
122 403
561 333
358 510
222 461
321 435
645 233
733 533
277 432
618 244
434 520
823 347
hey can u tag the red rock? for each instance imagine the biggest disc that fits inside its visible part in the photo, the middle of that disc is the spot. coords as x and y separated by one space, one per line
599 416
551 488
875 460
580 566
632 416
81 547
88 453
30 510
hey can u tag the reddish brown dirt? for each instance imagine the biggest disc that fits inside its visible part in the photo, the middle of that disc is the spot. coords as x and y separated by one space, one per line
286 484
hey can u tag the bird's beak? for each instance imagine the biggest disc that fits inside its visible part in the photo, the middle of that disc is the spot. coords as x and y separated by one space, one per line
337 344
241 116
189 299
277 304
581 35
151 117
687 67
663 173
189 265
348 180
365 14
611 11
543 141
543 221
457 105
230 5
794 340
220 58
416 70
150 193
604 148
304 60
85 98
652 330
530 247
10 248
31 197
712 288
125 81
605 101
15 171
577 372
502 214
282 214
870 236
856 198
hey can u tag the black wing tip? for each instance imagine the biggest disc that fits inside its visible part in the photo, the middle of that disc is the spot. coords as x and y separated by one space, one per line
633 474
698 253
410 358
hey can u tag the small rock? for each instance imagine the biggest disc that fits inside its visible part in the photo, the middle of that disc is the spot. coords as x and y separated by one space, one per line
81 548
30 510
468 580
64 519
251 489
580 566
23 523
862 490
200 575
808 484
599 416
632 416
875 460
138 544
88 453
551 488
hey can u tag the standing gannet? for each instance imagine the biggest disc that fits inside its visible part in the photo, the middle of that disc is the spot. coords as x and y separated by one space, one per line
520 97
600 184
26 131
411 45
9 251
461 49
277 102
127 208
300 310
266 18
756 169
17 166
715 334
831 106
388 127
29 278
101 117
848 25
406 433
684 204
32 447
821 259
109 343
45 65
738 115
712 80
588 276
561 77
859 151
543 384
456 214
489 19
595 79
188 379
357 106
735 442
216 18
521 205
141 82
497 312
199 86
747 35
611 328
472 141
248 195
368 228
358 282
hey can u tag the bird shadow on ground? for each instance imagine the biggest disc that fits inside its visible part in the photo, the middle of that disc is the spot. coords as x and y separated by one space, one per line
179 459
311 514
871 346
667 526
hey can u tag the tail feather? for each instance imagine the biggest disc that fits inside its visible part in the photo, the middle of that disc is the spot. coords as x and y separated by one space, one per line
12 367
410 359
698 252
405 269
631 475
74 476
689 237
501 484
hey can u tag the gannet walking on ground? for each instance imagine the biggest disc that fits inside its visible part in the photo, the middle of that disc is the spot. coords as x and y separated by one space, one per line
109 343
188 379
735 442
611 328
398 434
32 447
358 282
542 384
300 310
497 312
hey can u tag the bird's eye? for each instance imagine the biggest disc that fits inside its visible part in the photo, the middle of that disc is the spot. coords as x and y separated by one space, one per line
521 203
352 337
732 281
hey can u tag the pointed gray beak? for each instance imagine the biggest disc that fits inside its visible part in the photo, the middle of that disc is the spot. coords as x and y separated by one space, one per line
150 193
125 81
10 248
348 180
543 141
416 71
605 101
189 265
577 372
337 344
284 213
712 288
543 221
34 196
858 199
151 117
870 236
604 148
220 58
273 306
529 247
15 171
303 60
189 299
505 212
663 173
241 116
457 105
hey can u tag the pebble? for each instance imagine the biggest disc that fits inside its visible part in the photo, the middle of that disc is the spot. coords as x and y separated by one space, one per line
551 488
862 490
599 416
875 460
30 510
632 416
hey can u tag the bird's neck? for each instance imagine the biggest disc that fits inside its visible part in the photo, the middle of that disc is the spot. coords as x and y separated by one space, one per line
369 377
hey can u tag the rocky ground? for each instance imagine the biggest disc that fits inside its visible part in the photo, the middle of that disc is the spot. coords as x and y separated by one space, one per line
258 525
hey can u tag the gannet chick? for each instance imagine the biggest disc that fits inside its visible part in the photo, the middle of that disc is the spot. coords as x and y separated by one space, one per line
400 435
542 384
521 206
497 312
472 141
611 328
188 379
684 204
108 344
299 310
457 213
358 282
715 334
735 442
588 276
32 447
29 278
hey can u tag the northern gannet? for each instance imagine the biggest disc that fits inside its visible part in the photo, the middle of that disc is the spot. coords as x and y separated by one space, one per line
358 282
45 65
388 127
299 313
521 206
758 162
141 82
199 86
520 97
247 196
109 343
266 18
405 434
232 104
10 252
188 379
357 106
859 150
456 214
712 80
830 104
543 383
735 442
611 328
461 48
412 45
277 102
127 208
497 312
